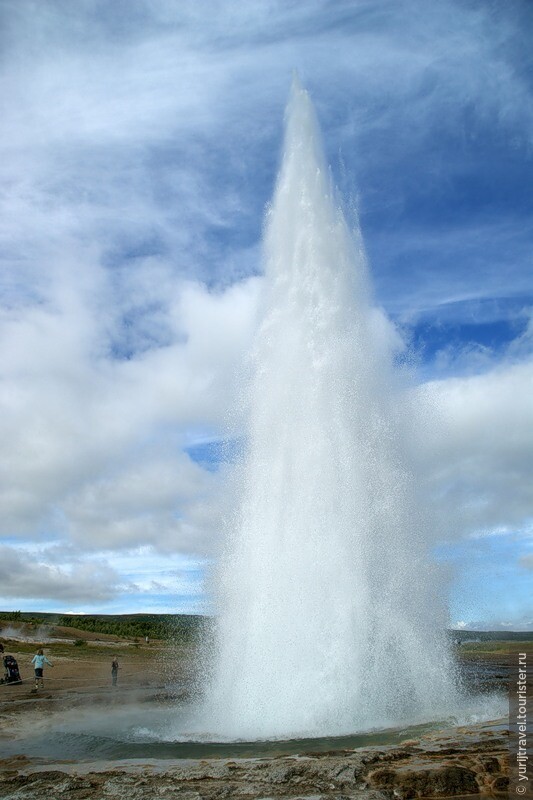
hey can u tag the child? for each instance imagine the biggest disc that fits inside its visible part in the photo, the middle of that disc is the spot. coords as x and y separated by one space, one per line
40 660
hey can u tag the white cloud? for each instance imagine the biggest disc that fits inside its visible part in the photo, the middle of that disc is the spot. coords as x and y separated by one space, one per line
27 574
153 502
92 443
476 448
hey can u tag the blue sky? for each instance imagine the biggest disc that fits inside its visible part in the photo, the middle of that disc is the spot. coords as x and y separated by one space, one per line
140 143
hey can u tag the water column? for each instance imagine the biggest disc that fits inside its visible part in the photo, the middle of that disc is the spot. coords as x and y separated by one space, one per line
330 620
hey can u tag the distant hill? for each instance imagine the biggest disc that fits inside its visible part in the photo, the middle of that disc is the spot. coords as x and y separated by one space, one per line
181 627
184 627
491 636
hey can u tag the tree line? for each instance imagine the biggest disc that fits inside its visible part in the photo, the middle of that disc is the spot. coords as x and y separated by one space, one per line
182 627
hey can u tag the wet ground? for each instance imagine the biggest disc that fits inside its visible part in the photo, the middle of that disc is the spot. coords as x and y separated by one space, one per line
96 742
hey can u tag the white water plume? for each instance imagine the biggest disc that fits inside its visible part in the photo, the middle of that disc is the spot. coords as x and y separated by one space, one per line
330 618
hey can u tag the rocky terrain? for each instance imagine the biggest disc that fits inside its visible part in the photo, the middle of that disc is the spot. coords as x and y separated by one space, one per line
462 761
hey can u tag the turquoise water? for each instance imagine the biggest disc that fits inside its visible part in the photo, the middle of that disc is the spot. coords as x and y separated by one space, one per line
61 743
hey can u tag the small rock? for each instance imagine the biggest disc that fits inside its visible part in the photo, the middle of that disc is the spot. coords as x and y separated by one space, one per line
490 764
500 784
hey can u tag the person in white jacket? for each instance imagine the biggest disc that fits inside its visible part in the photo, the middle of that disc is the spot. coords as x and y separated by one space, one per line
39 659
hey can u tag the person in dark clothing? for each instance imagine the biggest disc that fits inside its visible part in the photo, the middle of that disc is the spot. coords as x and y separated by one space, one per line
114 670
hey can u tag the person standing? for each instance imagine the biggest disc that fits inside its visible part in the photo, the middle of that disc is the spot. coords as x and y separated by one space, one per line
114 671
39 659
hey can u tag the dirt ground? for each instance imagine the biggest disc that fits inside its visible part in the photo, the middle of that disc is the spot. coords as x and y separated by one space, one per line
80 678
88 667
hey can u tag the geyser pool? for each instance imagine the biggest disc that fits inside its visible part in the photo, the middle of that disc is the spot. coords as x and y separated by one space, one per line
330 616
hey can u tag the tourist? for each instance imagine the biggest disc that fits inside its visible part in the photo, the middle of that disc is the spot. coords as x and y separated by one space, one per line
40 660
114 670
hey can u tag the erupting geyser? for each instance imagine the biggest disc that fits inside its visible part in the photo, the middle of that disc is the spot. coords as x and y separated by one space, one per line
329 620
